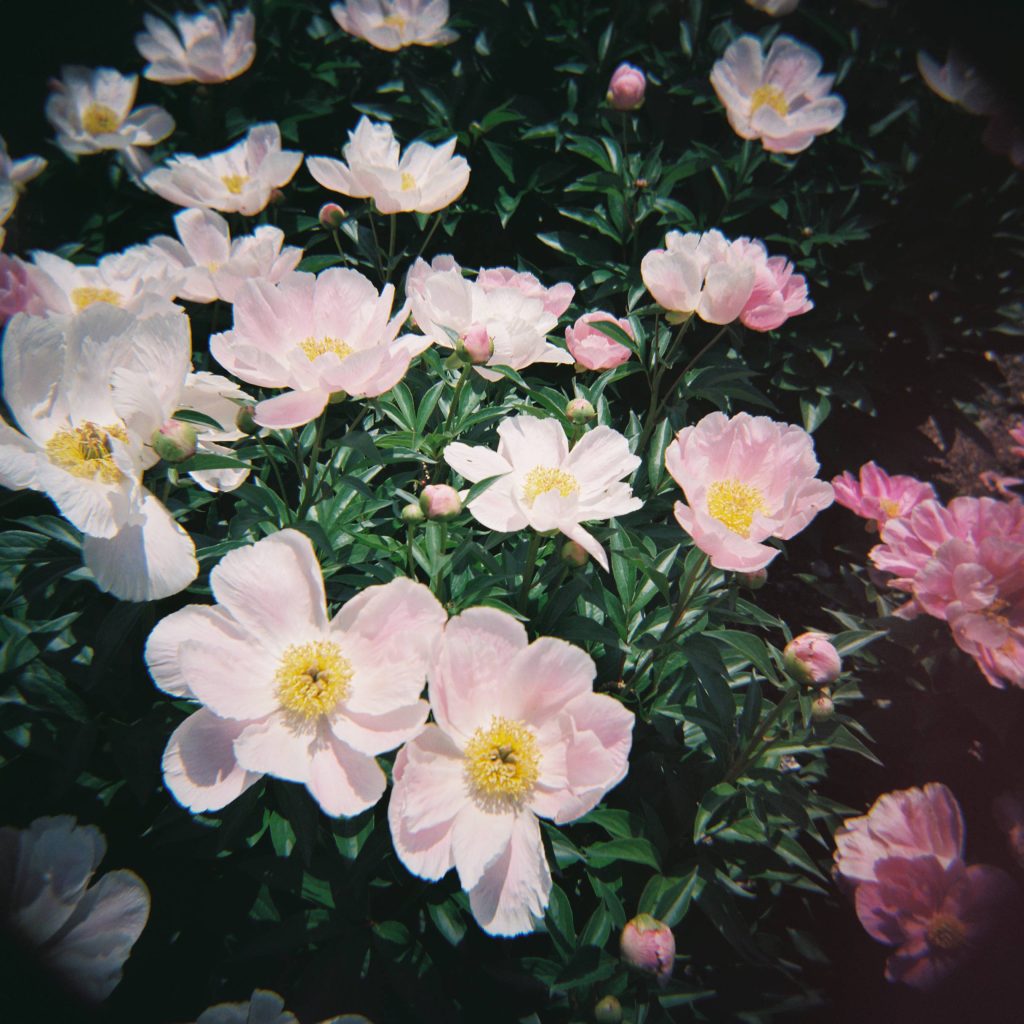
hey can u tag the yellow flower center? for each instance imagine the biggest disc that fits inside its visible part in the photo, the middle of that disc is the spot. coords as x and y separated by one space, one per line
84 297
945 932
312 679
99 119
84 451
540 480
408 181
735 504
890 508
768 96
234 182
503 761
397 21
314 347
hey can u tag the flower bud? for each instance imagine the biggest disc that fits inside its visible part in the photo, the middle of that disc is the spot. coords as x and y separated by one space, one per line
476 347
331 216
822 708
753 580
626 88
608 1011
440 501
412 513
245 420
811 659
575 554
579 410
174 441
649 945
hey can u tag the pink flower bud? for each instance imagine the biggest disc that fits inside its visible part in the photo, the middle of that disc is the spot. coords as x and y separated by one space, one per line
753 580
822 708
331 216
579 410
174 441
810 658
246 422
412 513
476 347
593 350
575 554
627 87
649 945
608 1011
440 501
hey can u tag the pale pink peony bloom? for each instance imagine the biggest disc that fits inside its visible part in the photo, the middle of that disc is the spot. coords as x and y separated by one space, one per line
88 392
309 699
780 98
393 24
91 108
519 734
937 915
627 87
198 48
210 265
593 350
812 659
906 823
24 288
957 83
648 945
514 310
265 1007
778 292
14 176
545 486
423 179
876 496
745 479
236 180
317 336
775 8
83 933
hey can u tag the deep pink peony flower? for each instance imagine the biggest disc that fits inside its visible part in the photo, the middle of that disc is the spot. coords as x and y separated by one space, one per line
778 293
627 87
593 350
879 497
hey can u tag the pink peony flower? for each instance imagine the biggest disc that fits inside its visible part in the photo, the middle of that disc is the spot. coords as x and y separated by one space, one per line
316 336
593 350
937 915
745 479
393 24
778 292
879 497
780 98
957 83
648 945
556 299
906 823
627 87
308 699
198 48
519 734
24 288
812 659
545 486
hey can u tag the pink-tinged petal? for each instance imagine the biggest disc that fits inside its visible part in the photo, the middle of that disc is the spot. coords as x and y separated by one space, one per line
474 462
199 763
205 235
527 441
434 789
587 541
498 508
377 734
343 781
542 679
292 409
600 458
172 635
479 838
96 508
19 459
276 746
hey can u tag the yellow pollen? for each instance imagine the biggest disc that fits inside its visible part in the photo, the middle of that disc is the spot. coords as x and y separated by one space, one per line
503 761
408 181
84 451
312 678
946 933
735 504
768 96
234 182
395 21
314 347
540 480
99 119
83 297
890 508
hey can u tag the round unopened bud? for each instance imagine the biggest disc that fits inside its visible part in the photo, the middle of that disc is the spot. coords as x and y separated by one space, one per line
440 501
575 554
608 1011
579 410
277 196
476 346
245 420
627 87
822 708
174 441
753 580
648 945
811 659
331 216
412 513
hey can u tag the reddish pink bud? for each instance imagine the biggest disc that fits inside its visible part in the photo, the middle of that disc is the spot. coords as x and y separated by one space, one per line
246 422
579 410
440 501
476 347
649 945
627 87
575 554
810 658
822 708
331 216
174 441
753 580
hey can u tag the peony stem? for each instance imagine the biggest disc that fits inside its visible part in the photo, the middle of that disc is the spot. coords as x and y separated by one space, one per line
310 475
757 744
528 570
455 398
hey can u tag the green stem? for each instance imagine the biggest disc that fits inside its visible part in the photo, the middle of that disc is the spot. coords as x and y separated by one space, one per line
273 465
337 244
430 235
314 453
758 744
410 558
528 570
439 587
376 247
392 236
466 370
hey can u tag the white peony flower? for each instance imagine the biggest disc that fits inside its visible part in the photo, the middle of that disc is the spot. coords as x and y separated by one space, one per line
14 176
393 24
199 48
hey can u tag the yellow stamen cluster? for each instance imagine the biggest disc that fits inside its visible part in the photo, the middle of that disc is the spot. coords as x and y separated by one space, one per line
397 21
540 480
84 451
502 761
314 347
234 182
408 181
99 119
890 508
312 679
735 504
84 297
768 96
946 933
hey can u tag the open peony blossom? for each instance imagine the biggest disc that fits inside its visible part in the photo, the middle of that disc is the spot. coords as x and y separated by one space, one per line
546 486
393 24
83 933
423 179
24 288
519 734
14 176
199 48
876 496
515 312
209 264
778 292
236 180
316 336
592 349
959 83
88 391
745 479
906 823
780 98
91 108
308 699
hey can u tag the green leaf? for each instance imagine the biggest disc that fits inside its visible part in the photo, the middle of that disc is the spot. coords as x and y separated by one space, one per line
668 899
448 920
635 850
199 419
202 460
587 966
